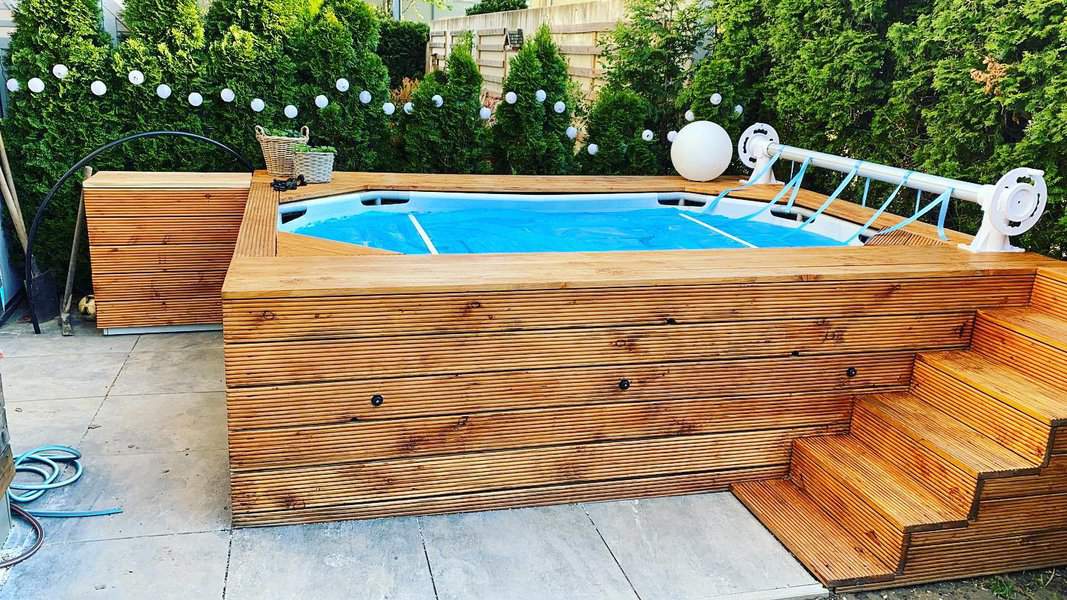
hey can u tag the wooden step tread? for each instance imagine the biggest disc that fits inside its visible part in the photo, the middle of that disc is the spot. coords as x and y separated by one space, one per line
1034 324
1042 401
970 451
833 555
899 498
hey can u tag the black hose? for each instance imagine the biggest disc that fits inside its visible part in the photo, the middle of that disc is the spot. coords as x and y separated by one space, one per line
38 217
38 530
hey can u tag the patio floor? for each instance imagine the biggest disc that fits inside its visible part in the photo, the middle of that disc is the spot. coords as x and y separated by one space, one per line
149 414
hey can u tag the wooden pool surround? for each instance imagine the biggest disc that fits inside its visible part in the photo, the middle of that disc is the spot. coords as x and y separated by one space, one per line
362 383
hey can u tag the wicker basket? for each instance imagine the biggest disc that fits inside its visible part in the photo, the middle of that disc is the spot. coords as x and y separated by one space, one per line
278 150
316 167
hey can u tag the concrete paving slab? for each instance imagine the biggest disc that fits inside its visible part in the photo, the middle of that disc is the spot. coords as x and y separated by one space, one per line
179 342
527 554
173 567
160 494
353 560
42 422
171 372
85 341
702 546
83 375
158 423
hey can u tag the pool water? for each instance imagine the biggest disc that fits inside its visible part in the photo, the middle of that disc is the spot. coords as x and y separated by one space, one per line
508 228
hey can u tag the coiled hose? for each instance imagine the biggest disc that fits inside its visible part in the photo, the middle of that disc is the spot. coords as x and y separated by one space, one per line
49 463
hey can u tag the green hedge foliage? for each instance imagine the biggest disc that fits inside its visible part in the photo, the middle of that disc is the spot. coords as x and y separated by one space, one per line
403 48
529 137
492 6
616 122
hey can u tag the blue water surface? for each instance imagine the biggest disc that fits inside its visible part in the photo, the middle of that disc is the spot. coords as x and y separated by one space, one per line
489 229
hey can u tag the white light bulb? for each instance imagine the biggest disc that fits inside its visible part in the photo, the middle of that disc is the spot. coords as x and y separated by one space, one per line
511 97
13 85
540 95
98 88
438 101
60 71
559 107
572 132
671 135
227 95
484 112
135 77
365 97
163 91
36 85
322 101
195 99
257 105
716 99
290 111
690 116
409 108
647 135
593 149
342 85
389 108
738 109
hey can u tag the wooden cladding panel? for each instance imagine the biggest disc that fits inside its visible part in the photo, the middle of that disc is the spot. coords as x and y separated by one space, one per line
160 244
1050 292
343 402
325 360
373 440
378 315
310 487
259 233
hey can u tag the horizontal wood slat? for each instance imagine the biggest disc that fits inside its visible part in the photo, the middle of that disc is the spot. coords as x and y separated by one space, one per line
151 313
159 286
638 487
310 487
333 403
357 441
1004 517
311 361
259 232
104 203
295 244
355 316
161 259
136 231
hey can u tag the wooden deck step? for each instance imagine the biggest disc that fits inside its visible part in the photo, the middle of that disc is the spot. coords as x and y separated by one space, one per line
1033 342
830 552
951 440
903 501
1001 402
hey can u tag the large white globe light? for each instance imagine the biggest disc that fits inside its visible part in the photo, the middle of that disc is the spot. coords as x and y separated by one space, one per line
701 151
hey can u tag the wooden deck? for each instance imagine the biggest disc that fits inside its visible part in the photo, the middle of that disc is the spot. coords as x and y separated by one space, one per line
888 411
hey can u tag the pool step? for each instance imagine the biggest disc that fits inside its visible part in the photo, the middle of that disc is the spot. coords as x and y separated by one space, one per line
916 463
830 552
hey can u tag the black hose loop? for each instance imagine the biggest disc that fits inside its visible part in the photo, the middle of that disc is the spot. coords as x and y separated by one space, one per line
43 207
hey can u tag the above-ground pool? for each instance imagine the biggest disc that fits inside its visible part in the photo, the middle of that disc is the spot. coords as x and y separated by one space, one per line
459 223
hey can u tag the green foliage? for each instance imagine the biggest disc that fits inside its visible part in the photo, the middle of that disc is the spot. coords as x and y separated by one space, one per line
650 53
450 138
304 148
492 6
529 137
403 49
616 121
270 19
47 132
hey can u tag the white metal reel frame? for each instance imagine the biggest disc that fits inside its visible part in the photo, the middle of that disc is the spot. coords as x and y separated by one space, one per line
1010 207
752 151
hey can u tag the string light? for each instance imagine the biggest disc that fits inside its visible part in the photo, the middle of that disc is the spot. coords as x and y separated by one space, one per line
389 108
716 99
572 132
257 104
484 112
227 95
511 98
13 85
290 111
438 101
647 135
195 99
409 108
60 71
98 88
559 107
163 91
36 85
322 101
341 85
738 109
135 77
671 135
365 97
593 149
689 115
540 95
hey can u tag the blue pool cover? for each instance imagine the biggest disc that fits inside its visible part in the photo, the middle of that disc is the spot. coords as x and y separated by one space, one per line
485 230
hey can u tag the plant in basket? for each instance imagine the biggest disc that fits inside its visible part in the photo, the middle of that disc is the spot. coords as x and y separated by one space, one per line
315 163
278 146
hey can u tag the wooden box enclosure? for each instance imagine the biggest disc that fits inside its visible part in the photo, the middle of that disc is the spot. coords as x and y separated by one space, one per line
364 384
160 244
